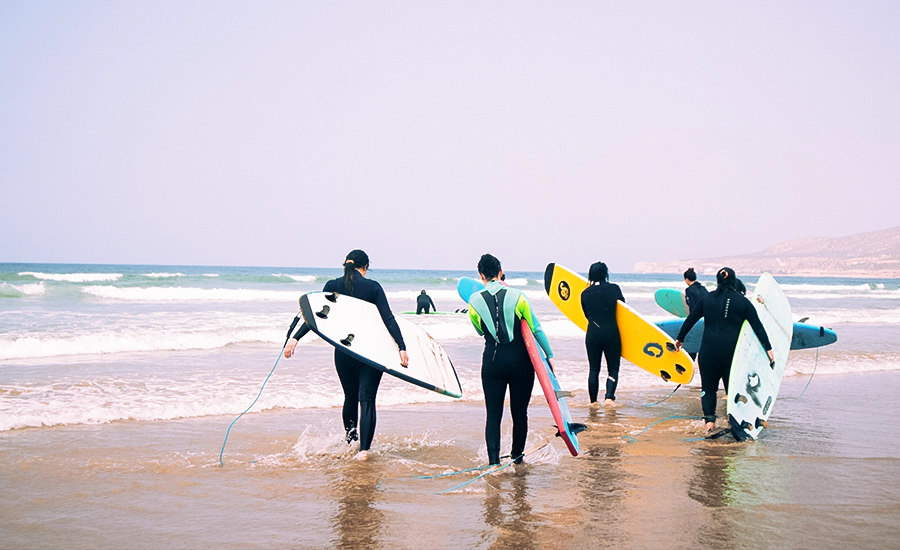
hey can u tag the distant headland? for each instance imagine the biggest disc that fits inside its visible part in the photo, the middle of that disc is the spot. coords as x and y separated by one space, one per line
872 254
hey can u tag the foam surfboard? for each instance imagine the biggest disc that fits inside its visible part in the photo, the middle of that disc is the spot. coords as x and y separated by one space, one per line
556 398
803 336
672 301
643 343
355 327
753 384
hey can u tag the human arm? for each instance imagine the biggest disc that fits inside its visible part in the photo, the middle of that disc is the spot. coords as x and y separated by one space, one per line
292 341
759 330
692 319
434 307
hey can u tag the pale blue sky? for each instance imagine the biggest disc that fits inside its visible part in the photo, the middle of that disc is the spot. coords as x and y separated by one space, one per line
427 133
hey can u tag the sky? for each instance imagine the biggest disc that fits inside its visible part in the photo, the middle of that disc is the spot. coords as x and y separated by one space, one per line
427 133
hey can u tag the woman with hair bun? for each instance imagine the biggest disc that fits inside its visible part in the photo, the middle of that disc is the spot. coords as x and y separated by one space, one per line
599 302
724 311
358 380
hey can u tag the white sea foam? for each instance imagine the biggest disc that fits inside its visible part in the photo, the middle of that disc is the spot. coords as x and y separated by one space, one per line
74 277
164 275
33 289
298 278
187 294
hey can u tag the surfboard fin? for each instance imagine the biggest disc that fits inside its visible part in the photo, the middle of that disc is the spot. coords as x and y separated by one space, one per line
665 376
737 430
738 398
346 341
324 313
760 423
576 427
331 297
562 393
670 346
679 369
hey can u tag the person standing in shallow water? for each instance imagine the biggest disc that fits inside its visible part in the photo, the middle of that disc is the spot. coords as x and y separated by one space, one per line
599 302
423 303
724 311
496 312
358 380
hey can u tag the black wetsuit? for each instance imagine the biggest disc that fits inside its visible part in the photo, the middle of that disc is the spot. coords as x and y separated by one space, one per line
599 302
505 365
423 301
724 312
693 294
358 380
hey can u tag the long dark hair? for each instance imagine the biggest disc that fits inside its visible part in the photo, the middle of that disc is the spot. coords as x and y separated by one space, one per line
356 259
725 280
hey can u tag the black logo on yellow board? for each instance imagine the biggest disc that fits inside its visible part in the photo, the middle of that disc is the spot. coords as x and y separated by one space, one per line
564 291
653 349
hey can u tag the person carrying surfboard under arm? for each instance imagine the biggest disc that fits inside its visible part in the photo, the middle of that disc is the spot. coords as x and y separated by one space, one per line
724 311
358 380
505 362
599 302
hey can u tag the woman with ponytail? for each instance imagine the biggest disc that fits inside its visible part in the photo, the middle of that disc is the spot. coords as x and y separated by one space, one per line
358 380
724 311
599 302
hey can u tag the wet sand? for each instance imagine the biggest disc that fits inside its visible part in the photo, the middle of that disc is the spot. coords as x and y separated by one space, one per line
825 475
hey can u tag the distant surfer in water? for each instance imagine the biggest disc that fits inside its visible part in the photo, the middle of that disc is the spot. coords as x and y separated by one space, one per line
358 380
724 311
495 312
599 302
423 303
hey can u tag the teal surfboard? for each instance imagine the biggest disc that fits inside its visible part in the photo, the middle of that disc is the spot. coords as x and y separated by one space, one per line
672 300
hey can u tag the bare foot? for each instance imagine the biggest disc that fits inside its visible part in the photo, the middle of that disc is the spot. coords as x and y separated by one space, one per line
710 426
595 404
362 456
609 403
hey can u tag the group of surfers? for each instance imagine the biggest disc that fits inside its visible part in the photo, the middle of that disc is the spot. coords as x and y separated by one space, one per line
505 364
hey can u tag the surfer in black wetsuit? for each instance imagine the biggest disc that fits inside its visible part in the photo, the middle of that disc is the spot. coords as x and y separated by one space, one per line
724 312
358 380
496 312
599 302
695 290
423 303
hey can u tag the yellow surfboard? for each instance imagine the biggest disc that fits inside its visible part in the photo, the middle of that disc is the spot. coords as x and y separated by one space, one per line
643 343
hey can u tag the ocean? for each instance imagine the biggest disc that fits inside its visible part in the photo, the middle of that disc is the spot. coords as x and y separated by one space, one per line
118 382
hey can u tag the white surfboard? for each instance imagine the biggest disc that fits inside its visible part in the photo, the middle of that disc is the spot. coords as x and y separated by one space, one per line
753 384
355 327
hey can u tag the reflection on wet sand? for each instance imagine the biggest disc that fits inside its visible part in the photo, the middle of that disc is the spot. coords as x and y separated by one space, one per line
509 514
711 486
357 522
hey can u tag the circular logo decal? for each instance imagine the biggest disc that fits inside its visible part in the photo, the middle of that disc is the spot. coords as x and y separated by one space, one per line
563 290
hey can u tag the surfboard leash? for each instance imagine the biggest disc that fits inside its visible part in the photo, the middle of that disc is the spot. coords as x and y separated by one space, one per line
670 395
228 432
815 366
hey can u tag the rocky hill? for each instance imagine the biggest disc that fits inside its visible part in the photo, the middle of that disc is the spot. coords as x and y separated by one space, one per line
873 254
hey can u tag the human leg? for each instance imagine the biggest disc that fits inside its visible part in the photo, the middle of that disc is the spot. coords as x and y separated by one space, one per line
520 386
494 387
369 379
348 370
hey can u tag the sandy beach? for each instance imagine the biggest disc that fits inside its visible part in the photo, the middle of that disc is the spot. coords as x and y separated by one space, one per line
823 476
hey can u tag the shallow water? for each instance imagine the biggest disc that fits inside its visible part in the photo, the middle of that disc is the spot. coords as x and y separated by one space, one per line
822 476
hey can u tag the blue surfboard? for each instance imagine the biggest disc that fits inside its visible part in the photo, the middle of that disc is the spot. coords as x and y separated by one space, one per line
805 336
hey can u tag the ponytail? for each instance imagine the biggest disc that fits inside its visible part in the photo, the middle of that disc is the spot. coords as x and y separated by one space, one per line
356 259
